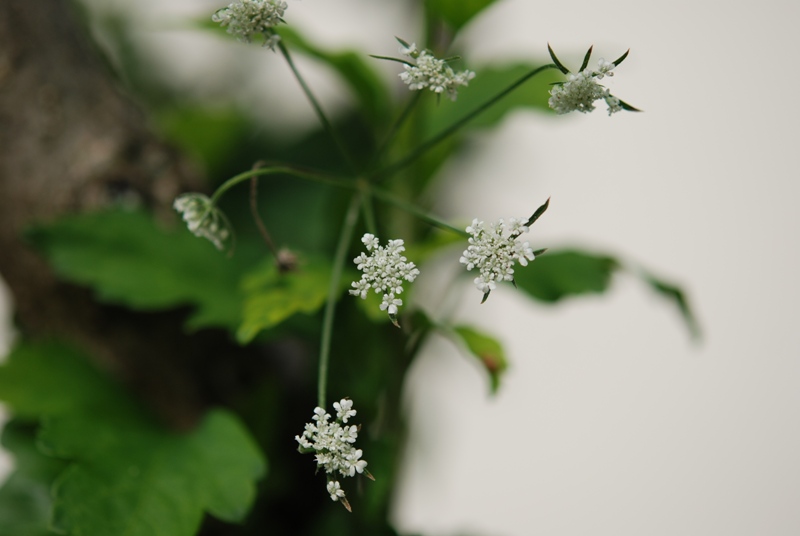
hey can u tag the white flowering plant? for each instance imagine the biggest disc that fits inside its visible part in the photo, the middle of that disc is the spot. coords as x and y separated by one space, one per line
316 299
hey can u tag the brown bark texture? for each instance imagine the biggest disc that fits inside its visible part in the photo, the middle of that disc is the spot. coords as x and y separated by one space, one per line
72 141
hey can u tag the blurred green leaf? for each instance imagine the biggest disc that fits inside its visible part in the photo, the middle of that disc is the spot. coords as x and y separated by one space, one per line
25 501
557 275
272 297
674 294
129 260
210 135
487 349
489 81
456 13
368 88
127 474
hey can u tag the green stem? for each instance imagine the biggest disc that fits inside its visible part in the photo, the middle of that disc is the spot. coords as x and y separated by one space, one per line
397 124
416 211
285 170
317 108
452 129
348 226
369 214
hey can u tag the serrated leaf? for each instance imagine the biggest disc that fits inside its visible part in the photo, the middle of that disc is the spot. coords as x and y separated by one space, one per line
488 82
25 501
368 88
272 297
487 349
674 294
127 474
129 260
456 13
146 481
557 275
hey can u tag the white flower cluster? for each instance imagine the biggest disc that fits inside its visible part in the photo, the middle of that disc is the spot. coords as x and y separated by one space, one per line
202 218
494 249
384 270
332 442
432 73
246 18
581 90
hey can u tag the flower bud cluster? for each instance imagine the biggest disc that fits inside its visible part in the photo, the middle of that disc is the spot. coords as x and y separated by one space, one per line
332 442
432 73
202 218
246 18
384 270
581 90
494 249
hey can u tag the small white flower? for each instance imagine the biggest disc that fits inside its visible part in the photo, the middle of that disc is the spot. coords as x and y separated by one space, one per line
246 18
384 271
582 89
344 409
494 249
432 73
335 490
333 446
202 218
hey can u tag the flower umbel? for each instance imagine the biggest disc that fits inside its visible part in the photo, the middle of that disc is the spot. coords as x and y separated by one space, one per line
384 270
582 89
246 18
332 442
432 73
202 218
494 249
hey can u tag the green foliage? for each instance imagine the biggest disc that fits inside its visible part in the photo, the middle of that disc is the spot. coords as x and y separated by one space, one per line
487 349
456 13
674 294
25 501
272 297
129 260
127 473
557 275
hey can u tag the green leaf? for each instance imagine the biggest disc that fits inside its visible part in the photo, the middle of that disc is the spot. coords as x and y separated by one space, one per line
272 297
141 480
586 59
487 349
674 294
25 501
368 88
127 474
456 13
557 275
129 260
555 59
489 81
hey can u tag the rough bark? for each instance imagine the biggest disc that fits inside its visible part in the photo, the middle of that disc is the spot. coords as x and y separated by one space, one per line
71 141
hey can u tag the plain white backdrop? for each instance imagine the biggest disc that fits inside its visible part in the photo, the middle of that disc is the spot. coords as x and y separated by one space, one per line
610 421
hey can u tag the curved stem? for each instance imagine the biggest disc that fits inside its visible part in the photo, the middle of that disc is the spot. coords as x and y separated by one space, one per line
416 211
348 226
397 124
317 107
452 129
285 170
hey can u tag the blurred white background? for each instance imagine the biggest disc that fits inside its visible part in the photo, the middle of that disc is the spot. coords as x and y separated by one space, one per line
610 421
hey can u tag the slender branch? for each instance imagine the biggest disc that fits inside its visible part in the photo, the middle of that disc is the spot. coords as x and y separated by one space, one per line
397 124
313 176
346 235
416 211
387 172
262 229
317 108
